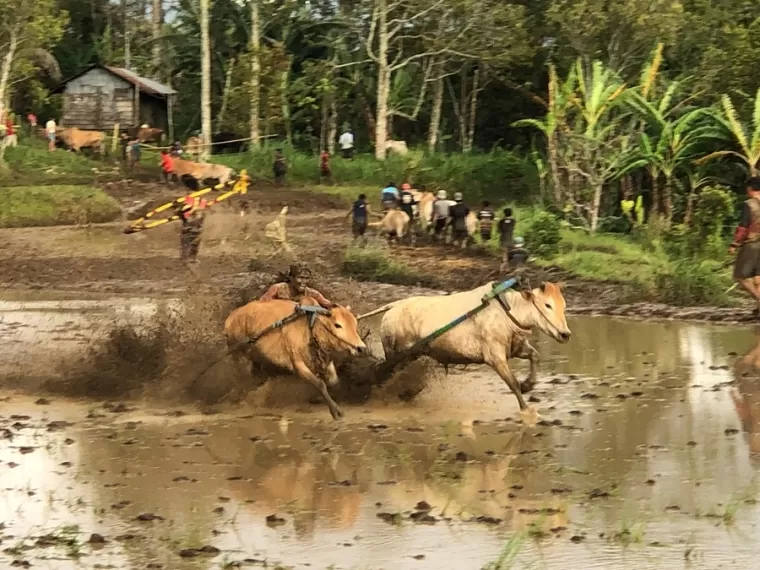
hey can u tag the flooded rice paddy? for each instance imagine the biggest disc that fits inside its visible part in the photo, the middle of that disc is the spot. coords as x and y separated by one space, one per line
644 457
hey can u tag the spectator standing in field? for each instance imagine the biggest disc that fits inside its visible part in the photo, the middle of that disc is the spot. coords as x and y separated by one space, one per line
458 214
280 167
11 139
346 142
167 166
324 166
32 119
50 131
506 231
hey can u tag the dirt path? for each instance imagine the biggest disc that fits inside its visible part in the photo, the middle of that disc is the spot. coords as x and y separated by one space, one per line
236 254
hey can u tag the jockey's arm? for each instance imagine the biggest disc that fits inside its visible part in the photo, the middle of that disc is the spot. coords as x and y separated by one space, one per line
319 298
272 293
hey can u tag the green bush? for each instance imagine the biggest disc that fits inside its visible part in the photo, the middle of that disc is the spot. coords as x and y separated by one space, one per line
702 238
542 236
374 265
498 175
55 205
688 282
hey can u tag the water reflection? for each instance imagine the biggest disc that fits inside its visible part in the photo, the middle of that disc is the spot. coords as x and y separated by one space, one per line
637 434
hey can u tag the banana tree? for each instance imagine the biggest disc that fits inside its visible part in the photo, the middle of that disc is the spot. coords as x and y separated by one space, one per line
561 97
670 143
746 137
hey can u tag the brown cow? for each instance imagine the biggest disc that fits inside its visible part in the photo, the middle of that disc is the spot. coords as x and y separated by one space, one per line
76 139
295 347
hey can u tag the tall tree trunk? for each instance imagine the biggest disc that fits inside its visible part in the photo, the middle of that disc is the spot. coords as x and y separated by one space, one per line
255 94
5 74
332 129
383 81
596 204
667 196
205 81
473 110
690 201
552 147
435 115
284 80
157 20
324 119
226 92
462 108
127 36
654 209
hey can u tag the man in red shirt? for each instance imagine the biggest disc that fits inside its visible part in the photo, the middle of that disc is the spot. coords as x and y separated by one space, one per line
167 166
10 133
324 165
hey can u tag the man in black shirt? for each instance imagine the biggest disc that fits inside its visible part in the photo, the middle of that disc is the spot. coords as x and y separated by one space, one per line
458 215
506 231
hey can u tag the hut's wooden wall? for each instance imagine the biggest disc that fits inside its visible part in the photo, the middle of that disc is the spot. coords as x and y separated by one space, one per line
97 100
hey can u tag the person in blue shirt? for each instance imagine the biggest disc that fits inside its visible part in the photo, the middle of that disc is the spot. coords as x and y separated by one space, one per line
389 196
360 212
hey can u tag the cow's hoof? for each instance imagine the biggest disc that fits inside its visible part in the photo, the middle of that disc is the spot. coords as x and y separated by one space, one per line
336 413
529 416
527 385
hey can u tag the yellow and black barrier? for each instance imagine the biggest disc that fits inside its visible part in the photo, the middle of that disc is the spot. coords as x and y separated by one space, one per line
239 186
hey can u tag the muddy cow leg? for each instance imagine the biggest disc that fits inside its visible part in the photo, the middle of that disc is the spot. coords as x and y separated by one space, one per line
501 367
527 352
302 370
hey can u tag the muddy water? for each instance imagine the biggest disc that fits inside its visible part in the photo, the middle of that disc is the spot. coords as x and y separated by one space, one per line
644 458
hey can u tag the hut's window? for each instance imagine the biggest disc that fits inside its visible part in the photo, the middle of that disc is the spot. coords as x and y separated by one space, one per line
122 93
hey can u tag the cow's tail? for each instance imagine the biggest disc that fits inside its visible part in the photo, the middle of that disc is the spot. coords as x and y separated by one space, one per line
377 311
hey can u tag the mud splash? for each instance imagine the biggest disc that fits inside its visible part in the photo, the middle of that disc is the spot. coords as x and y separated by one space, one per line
645 457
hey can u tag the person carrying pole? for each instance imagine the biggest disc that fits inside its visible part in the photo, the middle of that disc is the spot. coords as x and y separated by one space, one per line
747 242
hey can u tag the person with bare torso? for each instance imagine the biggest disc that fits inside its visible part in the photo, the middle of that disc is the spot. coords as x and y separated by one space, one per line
294 285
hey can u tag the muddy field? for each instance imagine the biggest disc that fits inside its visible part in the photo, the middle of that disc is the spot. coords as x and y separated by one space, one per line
644 456
114 454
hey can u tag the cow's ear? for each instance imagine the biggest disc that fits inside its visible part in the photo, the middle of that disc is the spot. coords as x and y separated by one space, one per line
542 286
527 295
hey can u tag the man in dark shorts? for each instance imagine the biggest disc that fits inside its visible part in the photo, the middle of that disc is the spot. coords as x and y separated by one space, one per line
360 211
193 217
407 205
506 231
747 241
458 214
486 218
440 216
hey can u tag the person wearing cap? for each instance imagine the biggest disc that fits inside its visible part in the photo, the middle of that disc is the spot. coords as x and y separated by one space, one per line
193 216
458 215
294 286
440 217
747 242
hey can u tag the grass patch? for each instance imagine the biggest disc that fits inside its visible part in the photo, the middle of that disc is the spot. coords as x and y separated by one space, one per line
55 205
495 175
372 264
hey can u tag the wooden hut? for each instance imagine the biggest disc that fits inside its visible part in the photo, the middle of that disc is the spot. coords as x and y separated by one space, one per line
103 96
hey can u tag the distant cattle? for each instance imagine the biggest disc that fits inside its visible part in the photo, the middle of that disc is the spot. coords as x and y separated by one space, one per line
396 147
77 139
146 134
228 142
202 171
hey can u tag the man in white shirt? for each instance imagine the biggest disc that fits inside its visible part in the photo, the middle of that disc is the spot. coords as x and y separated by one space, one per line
50 127
346 142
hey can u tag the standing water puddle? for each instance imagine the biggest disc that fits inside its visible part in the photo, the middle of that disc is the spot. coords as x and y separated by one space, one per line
644 458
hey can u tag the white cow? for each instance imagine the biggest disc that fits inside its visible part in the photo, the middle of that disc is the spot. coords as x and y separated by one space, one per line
489 337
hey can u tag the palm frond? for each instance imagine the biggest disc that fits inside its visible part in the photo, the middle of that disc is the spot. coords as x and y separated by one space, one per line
737 130
651 70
